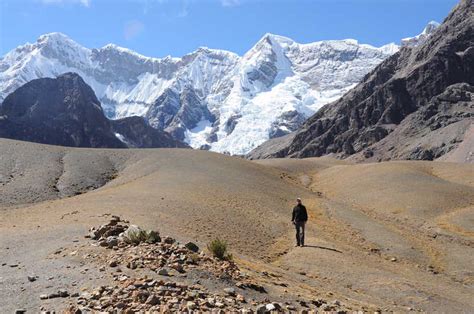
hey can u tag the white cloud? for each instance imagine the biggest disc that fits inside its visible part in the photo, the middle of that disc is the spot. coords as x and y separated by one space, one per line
85 3
132 29
230 3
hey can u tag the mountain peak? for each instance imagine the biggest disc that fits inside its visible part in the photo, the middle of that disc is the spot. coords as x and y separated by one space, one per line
417 40
60 46
55 39
276 39
54 36
430 27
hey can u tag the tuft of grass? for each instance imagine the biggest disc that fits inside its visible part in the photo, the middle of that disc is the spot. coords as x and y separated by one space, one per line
136 235
218 248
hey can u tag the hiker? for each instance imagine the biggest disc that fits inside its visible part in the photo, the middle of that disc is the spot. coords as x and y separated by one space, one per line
299 219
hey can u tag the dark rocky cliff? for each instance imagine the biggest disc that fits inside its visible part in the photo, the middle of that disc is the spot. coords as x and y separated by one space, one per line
65 111
405 85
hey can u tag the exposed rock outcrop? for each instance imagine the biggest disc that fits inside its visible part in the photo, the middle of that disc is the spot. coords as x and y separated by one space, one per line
62 111
416 92
177 113
65 111
137 133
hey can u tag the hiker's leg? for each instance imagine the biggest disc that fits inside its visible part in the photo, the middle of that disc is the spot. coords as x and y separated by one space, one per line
302 234
297 227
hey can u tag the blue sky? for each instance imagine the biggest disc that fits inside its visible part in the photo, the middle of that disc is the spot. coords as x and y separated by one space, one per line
176 27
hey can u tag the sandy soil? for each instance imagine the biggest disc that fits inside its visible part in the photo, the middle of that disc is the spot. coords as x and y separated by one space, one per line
389 236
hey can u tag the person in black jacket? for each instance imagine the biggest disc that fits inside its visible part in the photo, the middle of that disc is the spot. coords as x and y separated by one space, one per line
299 219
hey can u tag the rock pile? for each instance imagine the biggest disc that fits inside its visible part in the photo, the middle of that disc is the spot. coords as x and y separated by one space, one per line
148 294
144 266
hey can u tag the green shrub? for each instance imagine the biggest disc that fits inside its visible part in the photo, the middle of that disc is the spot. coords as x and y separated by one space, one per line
136 235
218 248
152 236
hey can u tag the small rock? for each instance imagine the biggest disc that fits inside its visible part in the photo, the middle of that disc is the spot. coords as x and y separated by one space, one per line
152 300
31 278
163 272
192 247
169 240
261 309
103 242
328 308
112 241
120 305
210 302
303 303
132 265
43 296
113 263
230 291
277 306
318 302
191 305
53 295
85 295
114 220
20 311
174 301
270 307
393 259
177 267
63 293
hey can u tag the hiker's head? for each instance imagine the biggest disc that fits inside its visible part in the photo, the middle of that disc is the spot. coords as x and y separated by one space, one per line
298 200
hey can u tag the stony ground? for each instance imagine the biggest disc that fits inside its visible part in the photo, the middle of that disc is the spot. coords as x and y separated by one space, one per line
394 236
163 275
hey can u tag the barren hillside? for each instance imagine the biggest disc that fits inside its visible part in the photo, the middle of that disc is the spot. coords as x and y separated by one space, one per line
389 236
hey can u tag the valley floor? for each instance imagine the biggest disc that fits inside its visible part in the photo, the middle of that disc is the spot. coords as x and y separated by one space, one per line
393 236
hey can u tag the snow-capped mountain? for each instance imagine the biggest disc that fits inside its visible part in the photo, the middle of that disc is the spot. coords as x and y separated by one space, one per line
210 98
417 40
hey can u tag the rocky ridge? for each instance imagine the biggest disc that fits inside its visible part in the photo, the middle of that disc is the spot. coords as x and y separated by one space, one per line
416 93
